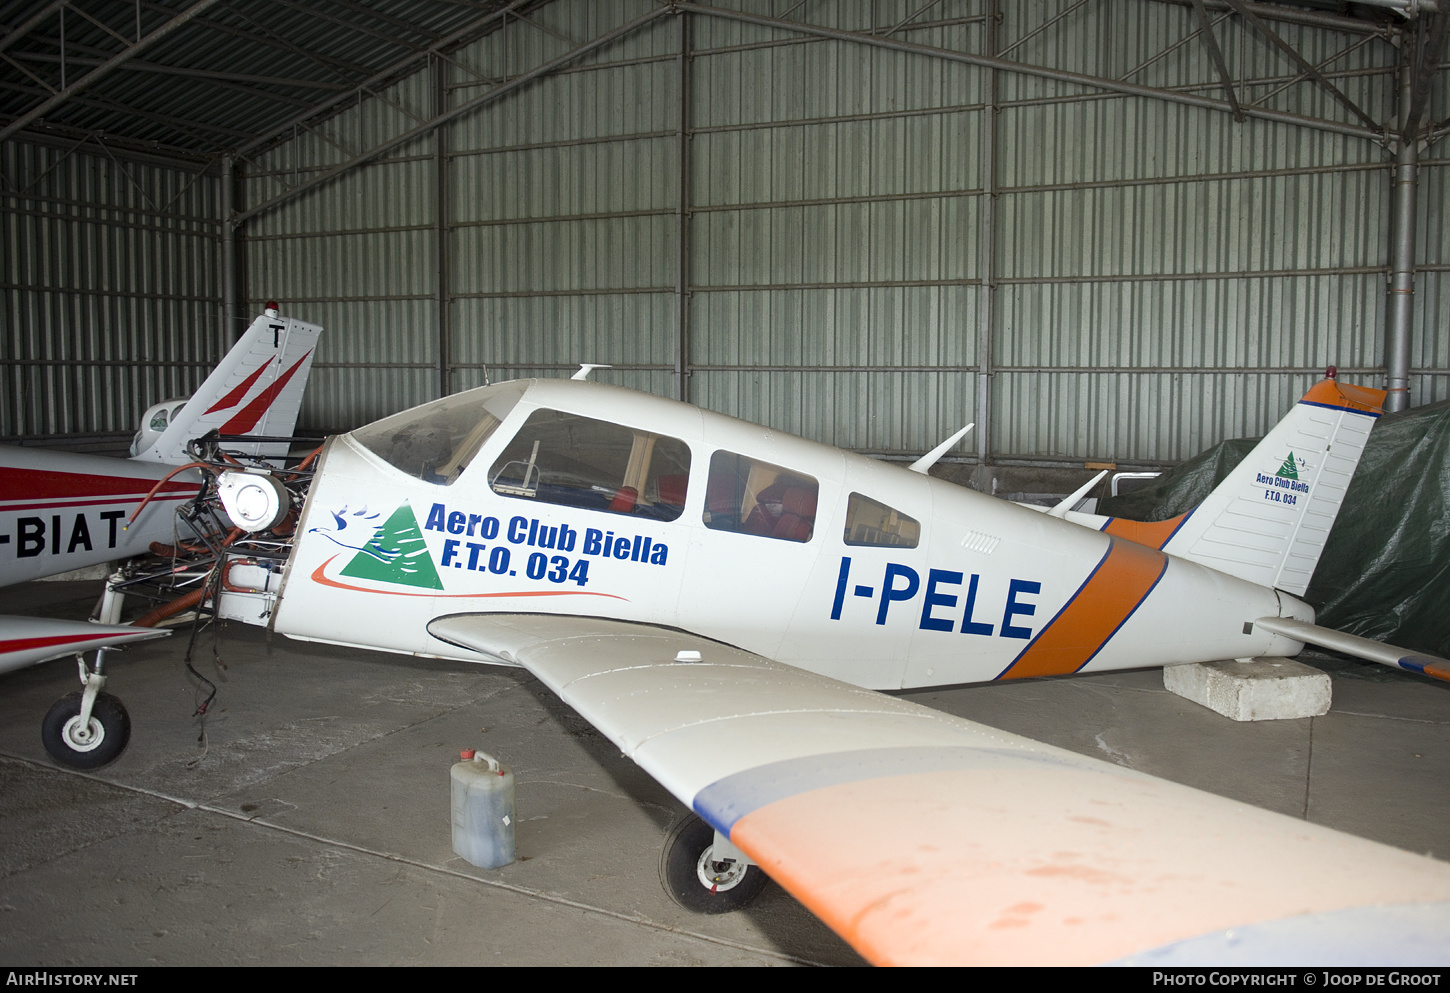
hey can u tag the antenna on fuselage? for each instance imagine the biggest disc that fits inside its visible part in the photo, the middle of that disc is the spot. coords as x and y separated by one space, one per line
585 368
1071 500
928 460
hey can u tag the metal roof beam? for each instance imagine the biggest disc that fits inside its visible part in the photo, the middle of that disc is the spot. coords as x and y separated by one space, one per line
230 80
151 152
1044 72
311 10
402 139
96 75
1307 18
32 22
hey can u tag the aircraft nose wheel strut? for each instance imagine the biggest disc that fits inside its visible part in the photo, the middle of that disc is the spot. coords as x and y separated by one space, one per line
702 879
85 730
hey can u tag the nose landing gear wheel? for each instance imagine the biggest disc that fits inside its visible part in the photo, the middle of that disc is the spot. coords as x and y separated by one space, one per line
696 881
100 741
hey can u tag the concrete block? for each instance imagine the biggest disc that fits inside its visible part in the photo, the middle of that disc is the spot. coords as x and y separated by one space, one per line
1258 689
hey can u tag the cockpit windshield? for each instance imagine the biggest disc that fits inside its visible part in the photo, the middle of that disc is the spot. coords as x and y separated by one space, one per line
435 442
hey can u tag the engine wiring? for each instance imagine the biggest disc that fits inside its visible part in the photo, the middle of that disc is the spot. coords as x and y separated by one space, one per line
192 573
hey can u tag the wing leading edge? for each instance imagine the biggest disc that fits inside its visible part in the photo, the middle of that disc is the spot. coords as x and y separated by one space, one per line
922 838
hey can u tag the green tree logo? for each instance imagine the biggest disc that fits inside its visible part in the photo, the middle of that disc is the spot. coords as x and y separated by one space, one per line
1288 470
396 553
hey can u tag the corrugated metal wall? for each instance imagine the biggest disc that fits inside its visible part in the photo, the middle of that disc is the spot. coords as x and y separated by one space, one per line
110 296
1161 276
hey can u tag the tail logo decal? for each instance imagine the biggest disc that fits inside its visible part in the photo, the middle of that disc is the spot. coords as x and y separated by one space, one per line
1288 470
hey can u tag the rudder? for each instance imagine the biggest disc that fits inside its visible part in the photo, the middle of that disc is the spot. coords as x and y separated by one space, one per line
1267 522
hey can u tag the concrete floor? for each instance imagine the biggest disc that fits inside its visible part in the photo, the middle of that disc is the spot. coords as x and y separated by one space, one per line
312 826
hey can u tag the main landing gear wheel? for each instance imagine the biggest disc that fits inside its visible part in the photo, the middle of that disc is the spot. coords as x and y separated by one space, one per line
696 881
101 740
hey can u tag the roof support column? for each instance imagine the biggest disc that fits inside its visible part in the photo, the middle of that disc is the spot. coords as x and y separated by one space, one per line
443 212
230 302
987 248
1400 302
682 216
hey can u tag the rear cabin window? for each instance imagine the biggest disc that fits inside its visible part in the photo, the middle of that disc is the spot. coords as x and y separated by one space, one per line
872 523
576 461
753 497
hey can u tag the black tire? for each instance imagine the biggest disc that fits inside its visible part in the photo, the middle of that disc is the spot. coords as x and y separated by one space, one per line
687 872
110 729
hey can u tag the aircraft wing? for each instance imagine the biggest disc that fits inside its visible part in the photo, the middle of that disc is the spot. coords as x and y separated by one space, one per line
925 839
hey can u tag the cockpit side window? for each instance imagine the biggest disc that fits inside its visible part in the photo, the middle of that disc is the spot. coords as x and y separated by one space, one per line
158 420
748 496
437 441
576 461
875 524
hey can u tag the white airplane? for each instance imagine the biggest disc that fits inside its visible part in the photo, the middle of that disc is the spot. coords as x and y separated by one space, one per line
723 601
61 511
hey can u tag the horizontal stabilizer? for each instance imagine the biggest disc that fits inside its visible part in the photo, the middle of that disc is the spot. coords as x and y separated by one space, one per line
1361 648
27 641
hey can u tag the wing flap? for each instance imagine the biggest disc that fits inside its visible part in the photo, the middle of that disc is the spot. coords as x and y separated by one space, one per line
923 838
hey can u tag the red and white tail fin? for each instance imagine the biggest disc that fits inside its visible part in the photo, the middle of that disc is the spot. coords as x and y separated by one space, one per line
255 390
1268 520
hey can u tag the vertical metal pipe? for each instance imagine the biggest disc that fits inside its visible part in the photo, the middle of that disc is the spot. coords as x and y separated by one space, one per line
987 243
441 207
1400 302
682 216
228 252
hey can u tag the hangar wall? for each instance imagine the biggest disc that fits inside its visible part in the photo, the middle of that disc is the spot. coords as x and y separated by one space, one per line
110 292
870 235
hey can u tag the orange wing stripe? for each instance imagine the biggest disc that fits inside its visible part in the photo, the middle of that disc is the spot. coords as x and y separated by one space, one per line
1122 581
1154 534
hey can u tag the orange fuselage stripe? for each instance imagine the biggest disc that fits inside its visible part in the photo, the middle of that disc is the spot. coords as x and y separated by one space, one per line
1122 580
1154 534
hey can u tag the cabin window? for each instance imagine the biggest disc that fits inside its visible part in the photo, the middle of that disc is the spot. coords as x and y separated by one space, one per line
752 497
875 524
576 461
158 420
437 441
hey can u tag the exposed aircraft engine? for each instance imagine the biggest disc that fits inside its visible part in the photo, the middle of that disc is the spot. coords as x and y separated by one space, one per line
254 500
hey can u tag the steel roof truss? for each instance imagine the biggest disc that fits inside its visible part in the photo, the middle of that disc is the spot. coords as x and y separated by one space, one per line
387 145
390 72
1299 60
1046 72
100 72
1210 42
1171 49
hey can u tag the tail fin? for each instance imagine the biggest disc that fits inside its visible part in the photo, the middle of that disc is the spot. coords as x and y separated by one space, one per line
255 390
1268 520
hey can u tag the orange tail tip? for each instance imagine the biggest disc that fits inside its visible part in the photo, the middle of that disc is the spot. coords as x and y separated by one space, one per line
1342 396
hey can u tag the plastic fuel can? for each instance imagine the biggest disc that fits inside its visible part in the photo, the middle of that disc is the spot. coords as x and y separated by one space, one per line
483 810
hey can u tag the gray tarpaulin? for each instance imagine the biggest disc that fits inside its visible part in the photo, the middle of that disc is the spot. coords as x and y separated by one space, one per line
1385 572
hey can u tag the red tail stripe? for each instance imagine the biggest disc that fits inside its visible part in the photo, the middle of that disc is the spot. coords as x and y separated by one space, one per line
235 396
247 418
